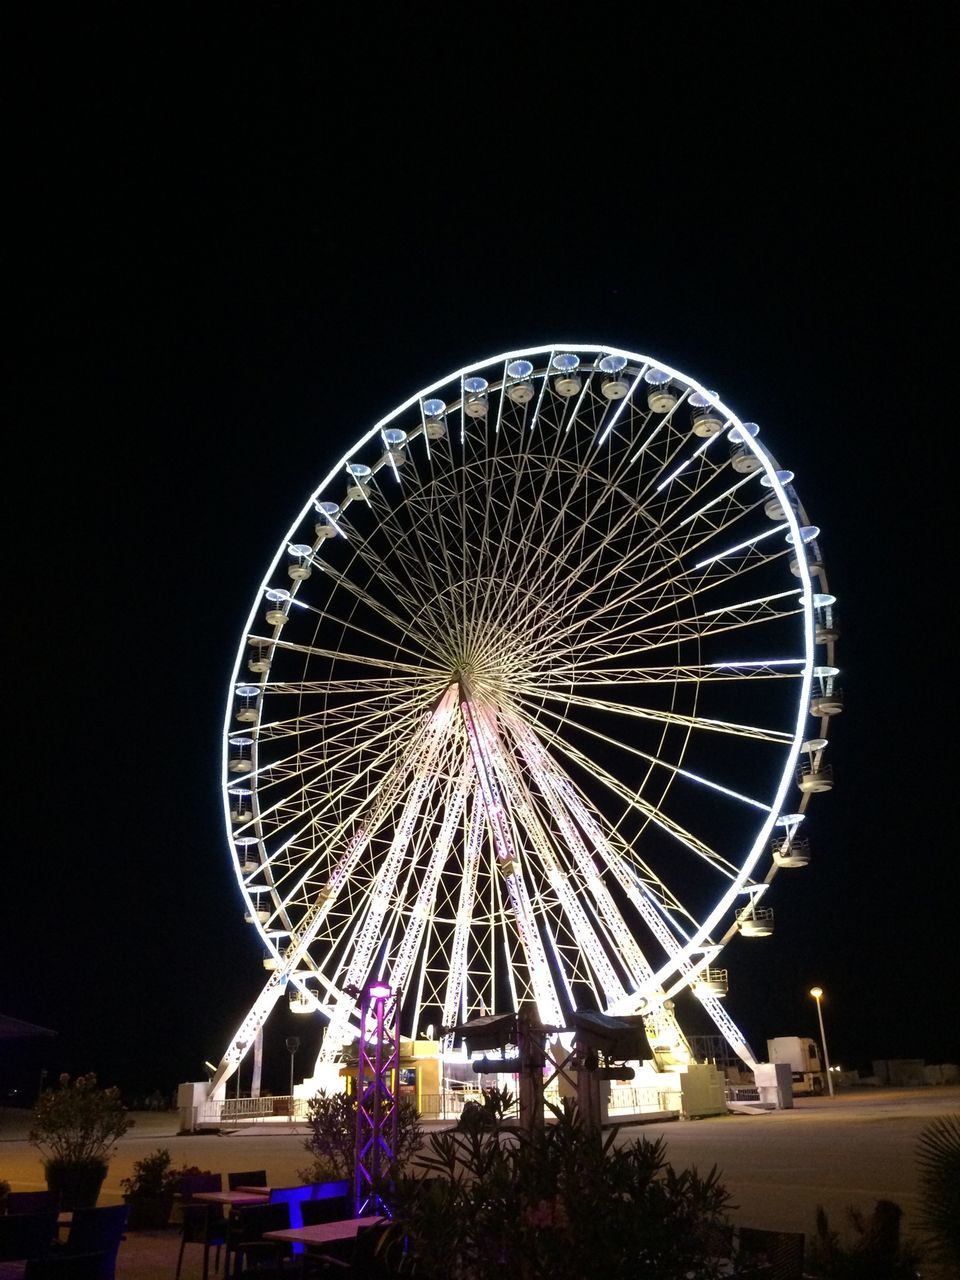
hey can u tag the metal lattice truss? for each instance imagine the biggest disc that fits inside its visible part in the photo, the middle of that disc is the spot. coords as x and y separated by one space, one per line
521 700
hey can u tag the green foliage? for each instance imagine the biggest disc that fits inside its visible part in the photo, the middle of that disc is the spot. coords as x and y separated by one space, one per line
938 1156
78 1123
490 1114
560 1204
332 1119
875 1251
152 1177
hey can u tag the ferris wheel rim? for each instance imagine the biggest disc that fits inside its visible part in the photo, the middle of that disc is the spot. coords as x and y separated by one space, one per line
721 910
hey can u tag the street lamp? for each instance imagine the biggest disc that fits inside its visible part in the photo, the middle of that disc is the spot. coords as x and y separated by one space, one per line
293 1044
817 993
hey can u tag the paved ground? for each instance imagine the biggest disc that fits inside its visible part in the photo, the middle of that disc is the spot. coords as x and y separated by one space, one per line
851 1150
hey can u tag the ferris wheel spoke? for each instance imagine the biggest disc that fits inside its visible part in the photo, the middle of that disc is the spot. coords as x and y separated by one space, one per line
560 677
397 537
509 865
440 525
547 556
522 806
685 584
465 912
671 717
656 909
552 786
386 877
377 549
419 756
676 770
381 662
360 789
636 801
342 729
407 631
343 712
420 914
530 554
668 572
616 470
391 685
662 533
583 562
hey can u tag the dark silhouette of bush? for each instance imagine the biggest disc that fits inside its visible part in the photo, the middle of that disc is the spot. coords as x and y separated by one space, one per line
558 1204
938 1155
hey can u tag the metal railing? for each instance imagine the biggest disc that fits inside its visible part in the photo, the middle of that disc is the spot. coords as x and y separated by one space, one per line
624 1100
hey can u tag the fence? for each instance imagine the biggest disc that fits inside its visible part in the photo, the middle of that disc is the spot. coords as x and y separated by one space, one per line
624 1100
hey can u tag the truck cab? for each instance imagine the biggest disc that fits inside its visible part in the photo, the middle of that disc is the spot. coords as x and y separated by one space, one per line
803 1055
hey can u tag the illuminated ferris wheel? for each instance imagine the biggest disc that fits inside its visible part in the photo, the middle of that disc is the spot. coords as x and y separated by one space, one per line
530 704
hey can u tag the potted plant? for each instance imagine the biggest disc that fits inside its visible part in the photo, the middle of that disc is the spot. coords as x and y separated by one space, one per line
76 1127
149 1191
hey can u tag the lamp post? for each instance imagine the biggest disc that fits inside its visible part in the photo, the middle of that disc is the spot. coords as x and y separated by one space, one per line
817 993
293 1044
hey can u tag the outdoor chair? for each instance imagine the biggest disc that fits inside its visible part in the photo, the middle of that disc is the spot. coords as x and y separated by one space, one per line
245 1243
773 1255
98 1230
27 1235
32 1201
297 1197
329 1209
256 1178
374 1256
203 1223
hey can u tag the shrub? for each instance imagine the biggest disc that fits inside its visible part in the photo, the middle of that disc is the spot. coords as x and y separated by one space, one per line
558 1204
78 1123
938 1155
874 1252
152 1177
332 1119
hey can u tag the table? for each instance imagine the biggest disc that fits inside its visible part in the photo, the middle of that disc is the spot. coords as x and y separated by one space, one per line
256 1191
231 1199
323 1232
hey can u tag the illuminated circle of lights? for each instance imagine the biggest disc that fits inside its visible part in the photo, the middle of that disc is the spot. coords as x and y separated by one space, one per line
524 698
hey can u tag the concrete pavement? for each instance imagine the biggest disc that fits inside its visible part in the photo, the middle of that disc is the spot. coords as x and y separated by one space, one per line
851 1150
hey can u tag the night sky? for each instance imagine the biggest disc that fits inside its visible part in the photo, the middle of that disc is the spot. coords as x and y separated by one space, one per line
239 242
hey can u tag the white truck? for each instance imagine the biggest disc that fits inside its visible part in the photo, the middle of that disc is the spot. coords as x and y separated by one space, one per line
803 1055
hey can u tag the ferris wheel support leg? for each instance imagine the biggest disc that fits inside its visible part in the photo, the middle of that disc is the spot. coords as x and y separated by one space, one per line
729 1029
247 1031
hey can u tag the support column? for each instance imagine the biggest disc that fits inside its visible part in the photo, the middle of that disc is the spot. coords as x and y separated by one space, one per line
378 1081
532 1061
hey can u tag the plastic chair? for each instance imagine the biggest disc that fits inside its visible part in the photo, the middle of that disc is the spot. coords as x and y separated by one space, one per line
32 1201
27 1235
777 1255
203 1223
98 1230
256 1178
245 1242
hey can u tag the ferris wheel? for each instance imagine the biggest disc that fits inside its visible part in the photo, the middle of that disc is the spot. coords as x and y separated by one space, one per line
530 703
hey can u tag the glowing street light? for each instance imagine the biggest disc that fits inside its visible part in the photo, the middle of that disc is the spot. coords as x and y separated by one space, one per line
817 993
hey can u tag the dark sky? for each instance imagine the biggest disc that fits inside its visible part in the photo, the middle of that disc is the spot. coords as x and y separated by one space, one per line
239 242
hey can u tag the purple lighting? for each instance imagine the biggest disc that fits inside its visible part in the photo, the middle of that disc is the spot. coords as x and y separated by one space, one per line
378 991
